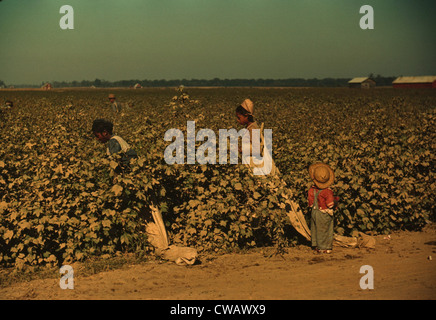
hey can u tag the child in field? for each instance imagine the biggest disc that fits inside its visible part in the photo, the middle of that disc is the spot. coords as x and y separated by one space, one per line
103 131
115 106
322 202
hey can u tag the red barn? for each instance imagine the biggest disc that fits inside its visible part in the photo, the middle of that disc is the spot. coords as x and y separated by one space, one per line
415 82
46 86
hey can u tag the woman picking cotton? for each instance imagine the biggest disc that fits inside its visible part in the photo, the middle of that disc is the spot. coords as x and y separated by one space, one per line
256 152
264 165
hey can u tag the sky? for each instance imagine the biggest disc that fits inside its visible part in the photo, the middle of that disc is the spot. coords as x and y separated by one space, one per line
206 39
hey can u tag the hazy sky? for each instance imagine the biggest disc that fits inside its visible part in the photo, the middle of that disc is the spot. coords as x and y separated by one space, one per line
205 39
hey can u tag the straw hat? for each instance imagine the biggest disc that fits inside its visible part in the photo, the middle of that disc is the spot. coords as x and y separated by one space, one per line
247 104
111 96
322 175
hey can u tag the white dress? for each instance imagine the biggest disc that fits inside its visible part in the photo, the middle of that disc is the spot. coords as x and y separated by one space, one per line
257 151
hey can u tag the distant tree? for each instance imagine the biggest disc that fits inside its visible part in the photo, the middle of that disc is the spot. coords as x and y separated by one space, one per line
290 82
86 83
97 83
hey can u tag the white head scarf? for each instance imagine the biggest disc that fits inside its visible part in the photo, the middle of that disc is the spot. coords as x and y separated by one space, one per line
247 104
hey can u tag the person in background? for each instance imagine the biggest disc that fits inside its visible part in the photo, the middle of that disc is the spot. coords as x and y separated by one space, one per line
115 106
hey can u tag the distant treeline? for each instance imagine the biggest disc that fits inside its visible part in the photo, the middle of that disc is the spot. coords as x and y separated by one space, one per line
216 82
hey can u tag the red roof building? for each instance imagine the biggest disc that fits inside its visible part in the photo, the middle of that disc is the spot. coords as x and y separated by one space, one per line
361 82
415 82
47 86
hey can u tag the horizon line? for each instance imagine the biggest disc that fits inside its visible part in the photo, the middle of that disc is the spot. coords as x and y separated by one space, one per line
204 79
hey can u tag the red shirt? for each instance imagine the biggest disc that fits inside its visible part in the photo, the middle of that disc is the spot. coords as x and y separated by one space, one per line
326 200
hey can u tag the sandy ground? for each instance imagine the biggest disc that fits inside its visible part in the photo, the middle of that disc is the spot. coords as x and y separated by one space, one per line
404 268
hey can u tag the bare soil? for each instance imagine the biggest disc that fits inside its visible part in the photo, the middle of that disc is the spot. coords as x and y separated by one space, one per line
404 268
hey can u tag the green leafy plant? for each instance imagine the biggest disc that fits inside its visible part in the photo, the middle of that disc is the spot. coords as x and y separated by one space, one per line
60 201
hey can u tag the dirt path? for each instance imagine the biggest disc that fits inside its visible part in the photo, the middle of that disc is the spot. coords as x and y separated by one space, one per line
404 268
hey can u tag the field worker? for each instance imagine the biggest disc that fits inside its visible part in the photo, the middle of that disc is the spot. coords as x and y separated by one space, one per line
244 114
156 232
116 107
103 131
322 202
8 104
258 162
